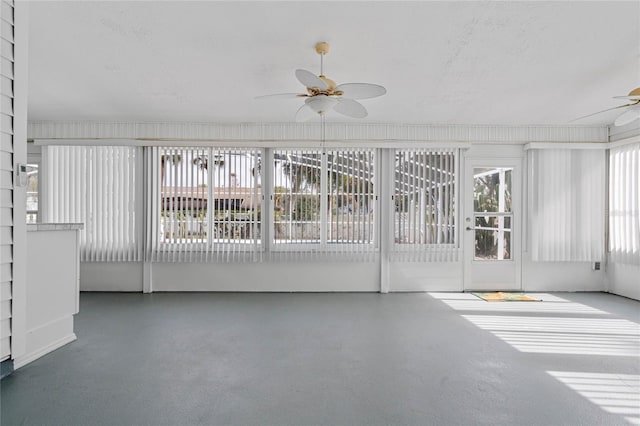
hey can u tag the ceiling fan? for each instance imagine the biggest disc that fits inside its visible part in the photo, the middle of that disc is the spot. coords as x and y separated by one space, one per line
631 114
324 95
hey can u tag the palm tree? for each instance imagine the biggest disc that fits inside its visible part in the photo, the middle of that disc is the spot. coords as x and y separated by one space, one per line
302 174
202 161
174 159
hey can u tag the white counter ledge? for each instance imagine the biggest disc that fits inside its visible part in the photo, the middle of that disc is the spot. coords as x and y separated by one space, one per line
52 289
54 226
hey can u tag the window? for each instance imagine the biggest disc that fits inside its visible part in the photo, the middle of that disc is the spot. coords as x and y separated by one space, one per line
296 197
424 205
566 198
32 193
96 186
205 204
624 204
324 201
351 197
209 205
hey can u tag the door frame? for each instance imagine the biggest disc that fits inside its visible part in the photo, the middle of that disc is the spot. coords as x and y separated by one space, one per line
468 243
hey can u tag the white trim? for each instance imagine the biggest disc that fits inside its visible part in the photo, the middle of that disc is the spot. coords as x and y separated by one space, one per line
624 132
224 143
623 142
26 359
367 131
559 145
589 145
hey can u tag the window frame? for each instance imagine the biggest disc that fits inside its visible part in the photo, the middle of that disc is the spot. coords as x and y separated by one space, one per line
411 247
324 245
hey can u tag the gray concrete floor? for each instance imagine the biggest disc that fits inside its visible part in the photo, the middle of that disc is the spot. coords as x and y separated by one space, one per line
337 359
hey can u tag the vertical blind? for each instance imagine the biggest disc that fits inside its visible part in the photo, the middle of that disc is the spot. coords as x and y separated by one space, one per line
297 182
351 199
205 205
95 186
424 205
323 204
566 199
624 204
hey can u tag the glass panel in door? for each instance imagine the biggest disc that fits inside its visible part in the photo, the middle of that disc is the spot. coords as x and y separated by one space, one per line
492 213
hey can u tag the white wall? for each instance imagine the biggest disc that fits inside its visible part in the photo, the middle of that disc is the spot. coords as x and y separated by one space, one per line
484 141
111 276
342 276
415 276
267 277
624 280
561 276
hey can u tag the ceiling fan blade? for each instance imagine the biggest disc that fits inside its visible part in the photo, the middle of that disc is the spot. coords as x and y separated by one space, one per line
360 90
629 98
305 113
350 108
600 112
633 95
309 79
628 116
282 96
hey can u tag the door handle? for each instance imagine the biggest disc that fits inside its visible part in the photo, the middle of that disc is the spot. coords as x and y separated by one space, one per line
469 228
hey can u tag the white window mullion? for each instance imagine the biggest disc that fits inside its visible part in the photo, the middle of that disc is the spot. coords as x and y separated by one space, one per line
323 202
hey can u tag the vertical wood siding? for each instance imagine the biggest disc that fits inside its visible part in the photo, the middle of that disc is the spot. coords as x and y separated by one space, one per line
6 174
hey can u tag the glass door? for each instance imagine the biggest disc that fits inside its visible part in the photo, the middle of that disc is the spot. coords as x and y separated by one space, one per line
492 243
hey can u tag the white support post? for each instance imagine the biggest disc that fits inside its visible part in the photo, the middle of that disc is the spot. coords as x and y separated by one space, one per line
387 210
267 200
147 277
501 203
324 216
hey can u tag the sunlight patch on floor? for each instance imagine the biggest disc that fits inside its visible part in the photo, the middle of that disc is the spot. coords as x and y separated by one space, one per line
545 307
546 297
614 393
559 335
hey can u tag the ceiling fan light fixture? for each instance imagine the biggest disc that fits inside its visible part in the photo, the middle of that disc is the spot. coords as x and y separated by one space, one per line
321 103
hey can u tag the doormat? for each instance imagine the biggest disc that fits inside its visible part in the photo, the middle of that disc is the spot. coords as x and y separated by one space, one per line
499 296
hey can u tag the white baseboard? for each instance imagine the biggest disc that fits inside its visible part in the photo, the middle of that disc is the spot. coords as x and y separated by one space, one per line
26 359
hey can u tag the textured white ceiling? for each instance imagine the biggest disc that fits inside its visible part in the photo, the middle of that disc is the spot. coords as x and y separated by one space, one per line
504 63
